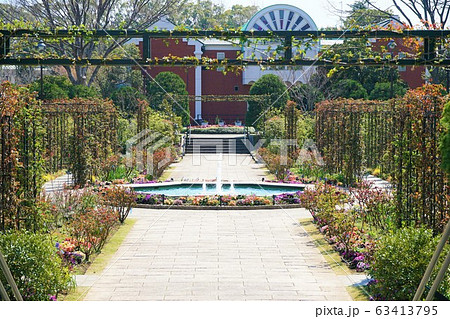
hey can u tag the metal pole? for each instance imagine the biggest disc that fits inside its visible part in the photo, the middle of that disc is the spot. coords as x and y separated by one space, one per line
42 84
434 259
448 80
438 278
10 278
392 83
3 293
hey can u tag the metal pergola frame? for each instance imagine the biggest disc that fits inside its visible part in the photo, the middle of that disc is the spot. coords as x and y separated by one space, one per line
286 37
429 57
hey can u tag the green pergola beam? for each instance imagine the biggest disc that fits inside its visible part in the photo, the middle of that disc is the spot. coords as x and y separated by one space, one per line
329 34
191 63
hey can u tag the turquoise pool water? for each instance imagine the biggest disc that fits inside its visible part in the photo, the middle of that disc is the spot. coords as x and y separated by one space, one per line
211 189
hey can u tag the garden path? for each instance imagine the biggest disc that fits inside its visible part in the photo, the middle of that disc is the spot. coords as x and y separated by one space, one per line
58 183
217 255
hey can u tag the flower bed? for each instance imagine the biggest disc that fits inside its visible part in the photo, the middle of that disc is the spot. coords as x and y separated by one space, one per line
292 178
342 223
216 129
220 200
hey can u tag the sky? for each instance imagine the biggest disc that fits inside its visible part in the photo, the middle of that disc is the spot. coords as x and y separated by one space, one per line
319 10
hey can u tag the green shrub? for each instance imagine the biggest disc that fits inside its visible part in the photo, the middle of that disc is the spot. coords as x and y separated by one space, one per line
382 90
83 91
274 128
37 269
305 128
445 138
349 89
126 99
400 262
274 87
169 83
126 130
119 199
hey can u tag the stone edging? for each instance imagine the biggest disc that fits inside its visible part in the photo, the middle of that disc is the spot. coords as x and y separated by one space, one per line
182 207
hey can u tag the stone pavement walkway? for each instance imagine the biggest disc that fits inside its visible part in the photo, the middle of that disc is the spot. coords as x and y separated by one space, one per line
58 183
217 255
231 167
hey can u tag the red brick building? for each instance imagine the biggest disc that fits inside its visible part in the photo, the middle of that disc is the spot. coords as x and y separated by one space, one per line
411 75
201 82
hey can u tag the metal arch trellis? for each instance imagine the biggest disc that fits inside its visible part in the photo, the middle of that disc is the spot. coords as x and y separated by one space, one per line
428 58
73 130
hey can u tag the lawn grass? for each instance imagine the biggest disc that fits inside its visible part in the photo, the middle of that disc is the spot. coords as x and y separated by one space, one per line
76 294
110 248
166 174
100 261
357 293
332 258
330 255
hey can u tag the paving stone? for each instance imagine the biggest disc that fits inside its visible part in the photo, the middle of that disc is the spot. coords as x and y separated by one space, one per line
218 255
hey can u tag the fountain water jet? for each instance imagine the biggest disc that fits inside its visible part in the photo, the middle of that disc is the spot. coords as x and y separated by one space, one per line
204 187
219 176
232 190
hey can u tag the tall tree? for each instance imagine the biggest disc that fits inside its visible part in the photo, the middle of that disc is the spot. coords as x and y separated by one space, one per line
89 14
237 16
433 14
205 14
277 97
359 15
167 93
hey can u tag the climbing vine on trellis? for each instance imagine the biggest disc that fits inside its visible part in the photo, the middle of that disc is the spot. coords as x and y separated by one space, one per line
80 135
400 137
290 123
20 154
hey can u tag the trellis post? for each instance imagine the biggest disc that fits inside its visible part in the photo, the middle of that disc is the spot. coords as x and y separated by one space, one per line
5 43
288 48
146 47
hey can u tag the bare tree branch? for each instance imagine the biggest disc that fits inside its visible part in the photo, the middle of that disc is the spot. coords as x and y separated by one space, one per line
91 14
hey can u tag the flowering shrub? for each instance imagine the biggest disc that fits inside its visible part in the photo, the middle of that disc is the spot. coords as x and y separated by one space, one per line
376 206
120 199
69 253
149 199
277 164
288 198
337 219
142 179
69 202
216 129
91 229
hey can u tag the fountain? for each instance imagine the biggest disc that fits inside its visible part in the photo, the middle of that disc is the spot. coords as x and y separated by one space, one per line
219 186
204 187
232 190
219 176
